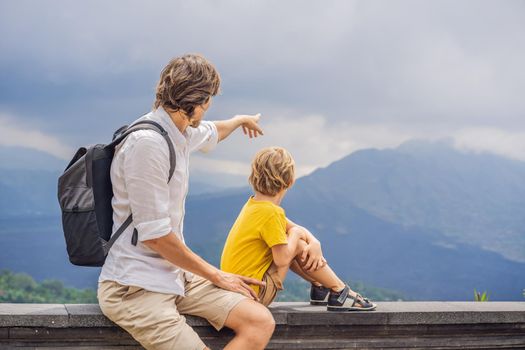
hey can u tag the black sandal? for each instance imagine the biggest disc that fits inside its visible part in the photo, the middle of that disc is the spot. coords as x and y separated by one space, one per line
343 301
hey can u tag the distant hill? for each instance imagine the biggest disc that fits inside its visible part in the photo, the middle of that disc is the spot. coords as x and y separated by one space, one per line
28 193
28 182
478 199
22 158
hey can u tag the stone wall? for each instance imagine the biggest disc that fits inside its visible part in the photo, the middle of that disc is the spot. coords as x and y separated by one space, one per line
394 325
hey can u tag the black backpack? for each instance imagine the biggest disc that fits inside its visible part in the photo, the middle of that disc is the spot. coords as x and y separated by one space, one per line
85 193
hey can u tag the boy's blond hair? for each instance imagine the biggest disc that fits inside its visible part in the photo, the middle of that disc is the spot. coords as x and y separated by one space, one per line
273 169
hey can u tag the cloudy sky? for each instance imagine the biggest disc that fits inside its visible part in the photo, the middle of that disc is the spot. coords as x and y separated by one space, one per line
329 77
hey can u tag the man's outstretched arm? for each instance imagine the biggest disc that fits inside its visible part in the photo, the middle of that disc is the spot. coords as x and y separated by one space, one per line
249 125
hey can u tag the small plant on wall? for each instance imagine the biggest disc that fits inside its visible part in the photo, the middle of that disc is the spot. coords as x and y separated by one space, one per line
480 296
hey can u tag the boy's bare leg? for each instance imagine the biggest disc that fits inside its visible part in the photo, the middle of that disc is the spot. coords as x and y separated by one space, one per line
324 275
294 264
295 246
296 267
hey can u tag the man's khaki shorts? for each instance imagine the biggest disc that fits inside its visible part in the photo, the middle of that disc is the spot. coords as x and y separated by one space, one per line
273 284
155 320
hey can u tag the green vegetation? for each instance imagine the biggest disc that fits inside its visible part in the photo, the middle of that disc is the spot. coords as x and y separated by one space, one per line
299 290
22 288
294 290
480 297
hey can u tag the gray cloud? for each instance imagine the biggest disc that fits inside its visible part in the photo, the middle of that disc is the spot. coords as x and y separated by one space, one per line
411 67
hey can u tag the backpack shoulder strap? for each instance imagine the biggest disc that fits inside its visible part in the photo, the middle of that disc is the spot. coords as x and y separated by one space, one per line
119 136
148 125
107 245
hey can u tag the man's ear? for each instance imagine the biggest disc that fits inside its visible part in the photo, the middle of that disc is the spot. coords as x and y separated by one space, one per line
185 114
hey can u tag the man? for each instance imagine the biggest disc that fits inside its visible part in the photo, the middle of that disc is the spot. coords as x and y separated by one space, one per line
145 288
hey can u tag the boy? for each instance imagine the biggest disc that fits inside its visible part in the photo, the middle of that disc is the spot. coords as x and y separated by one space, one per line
264 244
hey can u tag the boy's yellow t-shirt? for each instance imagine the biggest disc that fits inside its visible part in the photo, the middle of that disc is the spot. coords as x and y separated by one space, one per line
247 251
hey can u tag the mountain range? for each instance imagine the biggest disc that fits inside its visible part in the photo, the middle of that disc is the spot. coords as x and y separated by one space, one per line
423 219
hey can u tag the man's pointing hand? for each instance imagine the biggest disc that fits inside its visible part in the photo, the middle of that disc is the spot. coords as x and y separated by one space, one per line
250 125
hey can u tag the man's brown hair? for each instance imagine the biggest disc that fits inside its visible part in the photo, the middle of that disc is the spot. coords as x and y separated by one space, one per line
273 169
185 83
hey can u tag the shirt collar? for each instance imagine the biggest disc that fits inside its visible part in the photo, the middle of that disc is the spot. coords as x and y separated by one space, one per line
178 138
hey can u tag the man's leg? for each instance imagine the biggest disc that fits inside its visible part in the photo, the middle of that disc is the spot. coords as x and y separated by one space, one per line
251 321
151 318
253 325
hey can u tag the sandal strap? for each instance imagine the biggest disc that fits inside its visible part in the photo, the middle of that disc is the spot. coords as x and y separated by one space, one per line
364 301
344 294
360 299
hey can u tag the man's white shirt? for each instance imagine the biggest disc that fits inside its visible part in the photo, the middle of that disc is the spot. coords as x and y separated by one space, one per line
139 174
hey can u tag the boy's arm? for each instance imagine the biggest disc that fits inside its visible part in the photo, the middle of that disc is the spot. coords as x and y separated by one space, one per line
312 256
248 123
309 237
283 254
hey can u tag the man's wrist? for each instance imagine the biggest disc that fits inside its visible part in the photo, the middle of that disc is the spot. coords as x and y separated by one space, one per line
239 120
215 276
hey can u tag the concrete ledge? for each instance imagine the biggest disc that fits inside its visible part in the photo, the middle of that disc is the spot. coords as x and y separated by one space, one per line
394 325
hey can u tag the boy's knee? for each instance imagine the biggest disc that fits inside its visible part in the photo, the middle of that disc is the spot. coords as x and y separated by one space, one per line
298 229
301 245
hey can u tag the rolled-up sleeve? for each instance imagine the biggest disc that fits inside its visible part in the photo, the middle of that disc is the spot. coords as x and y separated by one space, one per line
204 138
146 171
